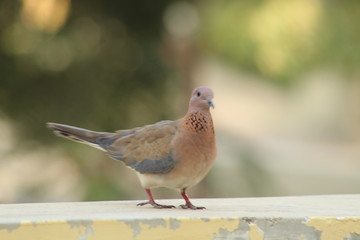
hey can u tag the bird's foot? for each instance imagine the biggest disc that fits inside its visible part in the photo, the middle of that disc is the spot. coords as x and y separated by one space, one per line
190 206
155 205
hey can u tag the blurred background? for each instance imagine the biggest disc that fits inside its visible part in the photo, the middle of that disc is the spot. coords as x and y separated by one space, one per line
286 77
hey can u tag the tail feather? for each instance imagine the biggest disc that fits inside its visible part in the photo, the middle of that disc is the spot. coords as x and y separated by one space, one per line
95 139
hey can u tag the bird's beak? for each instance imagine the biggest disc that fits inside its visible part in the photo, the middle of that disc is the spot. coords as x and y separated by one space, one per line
211 104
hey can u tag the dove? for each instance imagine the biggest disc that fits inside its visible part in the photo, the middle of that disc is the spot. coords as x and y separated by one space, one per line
173 154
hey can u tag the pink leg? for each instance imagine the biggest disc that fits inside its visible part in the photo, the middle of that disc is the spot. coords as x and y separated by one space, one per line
188 204
152 201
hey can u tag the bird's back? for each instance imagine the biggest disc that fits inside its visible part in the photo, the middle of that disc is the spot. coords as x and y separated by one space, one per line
147 149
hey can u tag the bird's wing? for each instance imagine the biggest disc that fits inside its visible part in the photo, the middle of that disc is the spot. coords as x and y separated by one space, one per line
146 149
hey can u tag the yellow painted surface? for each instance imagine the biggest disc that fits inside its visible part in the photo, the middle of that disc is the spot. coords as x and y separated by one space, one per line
111 230
41 231
114 230
255 233
189 229
335 228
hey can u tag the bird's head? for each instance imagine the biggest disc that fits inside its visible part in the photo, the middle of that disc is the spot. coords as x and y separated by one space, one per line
201 99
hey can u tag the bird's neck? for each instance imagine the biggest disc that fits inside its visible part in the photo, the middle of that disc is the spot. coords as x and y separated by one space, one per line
198 122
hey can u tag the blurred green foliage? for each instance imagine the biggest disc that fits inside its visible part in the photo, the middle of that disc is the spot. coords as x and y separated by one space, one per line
281 39
105 58
93 59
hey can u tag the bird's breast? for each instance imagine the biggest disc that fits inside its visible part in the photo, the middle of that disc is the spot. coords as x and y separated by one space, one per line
194 149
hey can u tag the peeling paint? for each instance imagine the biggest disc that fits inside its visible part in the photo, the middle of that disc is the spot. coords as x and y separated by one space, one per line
335 228
354 236
9 226
138 225
230 228
33 223
153 223
273 221
183 228
80 223
323 228
292 228
248 220
174 223
84 228
29 230
205 219
255 232
134 225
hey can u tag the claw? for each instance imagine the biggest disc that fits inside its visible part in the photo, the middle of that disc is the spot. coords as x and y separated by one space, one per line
190 206
155 205
152 201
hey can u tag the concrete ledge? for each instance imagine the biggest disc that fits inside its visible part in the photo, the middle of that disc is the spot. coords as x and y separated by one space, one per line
309 217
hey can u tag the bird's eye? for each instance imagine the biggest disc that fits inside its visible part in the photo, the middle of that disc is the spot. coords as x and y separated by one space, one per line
198 94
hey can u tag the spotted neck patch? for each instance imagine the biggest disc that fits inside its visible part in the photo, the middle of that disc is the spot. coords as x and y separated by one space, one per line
199 122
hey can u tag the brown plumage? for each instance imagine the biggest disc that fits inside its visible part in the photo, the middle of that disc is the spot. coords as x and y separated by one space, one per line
173 154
